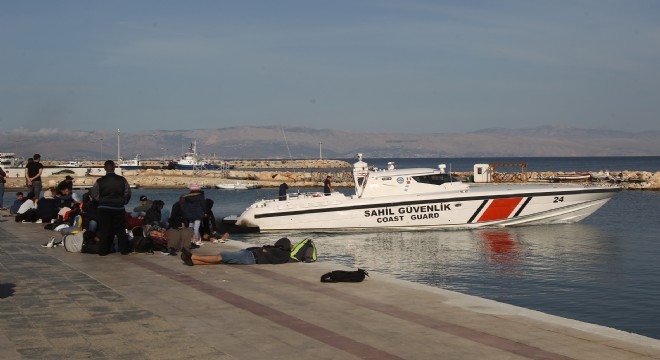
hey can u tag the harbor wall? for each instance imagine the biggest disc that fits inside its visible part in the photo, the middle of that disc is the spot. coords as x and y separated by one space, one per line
271 173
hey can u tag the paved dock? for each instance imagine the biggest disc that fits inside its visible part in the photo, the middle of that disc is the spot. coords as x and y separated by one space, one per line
59 305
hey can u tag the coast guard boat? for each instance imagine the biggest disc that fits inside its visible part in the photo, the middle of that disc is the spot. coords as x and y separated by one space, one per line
425 198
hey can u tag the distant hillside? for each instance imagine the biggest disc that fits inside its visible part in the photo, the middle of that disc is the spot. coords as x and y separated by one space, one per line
268 142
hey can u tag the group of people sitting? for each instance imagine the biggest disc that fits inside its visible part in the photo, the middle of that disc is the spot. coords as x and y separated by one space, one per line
57 200
150 226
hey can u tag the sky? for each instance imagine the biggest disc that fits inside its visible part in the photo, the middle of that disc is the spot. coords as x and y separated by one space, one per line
366 66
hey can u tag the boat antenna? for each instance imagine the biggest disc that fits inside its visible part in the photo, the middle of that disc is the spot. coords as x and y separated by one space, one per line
287 143
118 152
451 178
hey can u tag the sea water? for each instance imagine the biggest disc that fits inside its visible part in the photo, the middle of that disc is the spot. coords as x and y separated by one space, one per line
602 270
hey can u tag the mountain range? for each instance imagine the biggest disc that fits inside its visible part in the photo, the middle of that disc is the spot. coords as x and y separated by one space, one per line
275 142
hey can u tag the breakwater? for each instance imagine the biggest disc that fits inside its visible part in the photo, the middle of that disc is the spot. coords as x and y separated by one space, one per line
298 173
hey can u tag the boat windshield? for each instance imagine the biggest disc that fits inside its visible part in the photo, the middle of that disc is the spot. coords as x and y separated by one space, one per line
435 179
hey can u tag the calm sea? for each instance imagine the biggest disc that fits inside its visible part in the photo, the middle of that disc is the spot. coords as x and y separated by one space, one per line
603 270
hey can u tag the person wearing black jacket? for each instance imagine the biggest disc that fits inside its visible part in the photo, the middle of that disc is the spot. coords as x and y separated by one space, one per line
279 253
112 192
193 205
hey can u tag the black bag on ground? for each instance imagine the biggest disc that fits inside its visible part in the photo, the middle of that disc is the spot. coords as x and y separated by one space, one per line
344 276
140 243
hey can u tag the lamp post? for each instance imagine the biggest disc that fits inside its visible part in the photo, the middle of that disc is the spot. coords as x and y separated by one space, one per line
162 164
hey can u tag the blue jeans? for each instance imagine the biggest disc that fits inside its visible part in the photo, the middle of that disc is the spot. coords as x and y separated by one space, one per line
164 217
2 195
240 257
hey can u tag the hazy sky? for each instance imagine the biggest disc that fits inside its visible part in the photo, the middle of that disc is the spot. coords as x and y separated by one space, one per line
386 66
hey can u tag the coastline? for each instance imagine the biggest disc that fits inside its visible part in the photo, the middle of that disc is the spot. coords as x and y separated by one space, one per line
271 173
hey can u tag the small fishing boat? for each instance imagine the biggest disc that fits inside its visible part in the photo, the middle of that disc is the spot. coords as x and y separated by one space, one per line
569 177
71 164
238 186
131 164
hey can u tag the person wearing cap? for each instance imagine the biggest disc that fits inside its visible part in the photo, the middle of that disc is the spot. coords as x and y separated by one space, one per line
141 210
193 206
279 253
112 193
327 185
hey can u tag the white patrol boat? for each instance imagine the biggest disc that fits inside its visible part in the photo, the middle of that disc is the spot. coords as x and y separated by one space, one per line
423 198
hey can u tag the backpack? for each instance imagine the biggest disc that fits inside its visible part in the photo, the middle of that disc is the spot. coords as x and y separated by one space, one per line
304 251
73 242
344 276
143 244
140 243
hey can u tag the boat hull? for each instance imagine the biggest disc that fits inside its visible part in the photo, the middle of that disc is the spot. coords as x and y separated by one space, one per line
485 207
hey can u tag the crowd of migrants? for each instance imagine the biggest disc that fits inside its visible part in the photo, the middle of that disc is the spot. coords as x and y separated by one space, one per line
98 222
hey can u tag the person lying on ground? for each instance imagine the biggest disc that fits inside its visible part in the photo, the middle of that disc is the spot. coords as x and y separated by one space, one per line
279 253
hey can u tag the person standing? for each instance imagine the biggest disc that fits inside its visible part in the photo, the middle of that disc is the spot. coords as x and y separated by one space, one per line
3 175
112 193
33 171
283 190
327 185
193 205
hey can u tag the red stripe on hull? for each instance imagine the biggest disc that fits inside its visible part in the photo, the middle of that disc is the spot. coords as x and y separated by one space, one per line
500 209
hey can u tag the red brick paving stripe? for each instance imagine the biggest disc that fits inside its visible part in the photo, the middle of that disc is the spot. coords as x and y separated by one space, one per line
316 332
447 327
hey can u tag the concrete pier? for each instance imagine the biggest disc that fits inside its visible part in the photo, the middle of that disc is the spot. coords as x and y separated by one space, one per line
59 305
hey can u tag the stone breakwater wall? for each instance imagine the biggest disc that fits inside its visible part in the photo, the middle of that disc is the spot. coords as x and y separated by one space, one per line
303 173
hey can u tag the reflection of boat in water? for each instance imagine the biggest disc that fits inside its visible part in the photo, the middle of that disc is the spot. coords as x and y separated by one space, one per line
131 164
190 160
422 198
238 186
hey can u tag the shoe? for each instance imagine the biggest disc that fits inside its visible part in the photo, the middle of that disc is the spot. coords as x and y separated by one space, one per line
194 246
172 252
39 221
186 251
23 221
165 251
50 243
57 243
186 256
